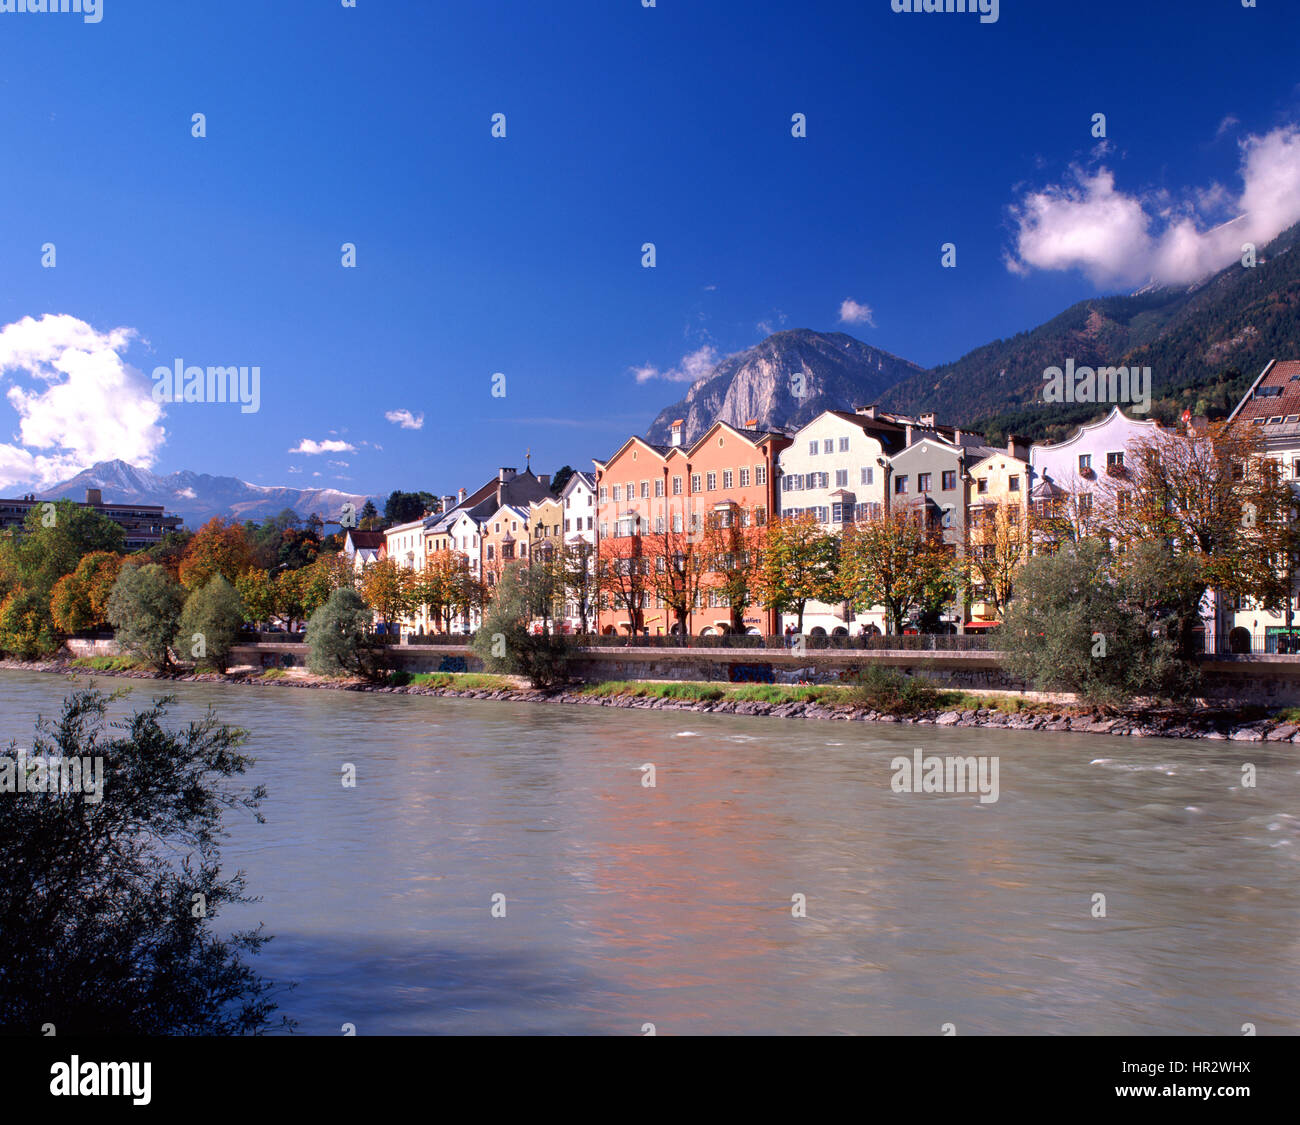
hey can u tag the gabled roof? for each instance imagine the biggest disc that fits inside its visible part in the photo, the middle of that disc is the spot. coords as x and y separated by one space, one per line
1280 380
365 540
754 437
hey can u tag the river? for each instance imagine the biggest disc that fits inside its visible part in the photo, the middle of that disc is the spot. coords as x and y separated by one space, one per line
627 905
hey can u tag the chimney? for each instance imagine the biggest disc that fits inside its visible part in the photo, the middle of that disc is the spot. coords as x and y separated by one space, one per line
545 480
956 436
751 423
94 496
907 435
677 431
504 475
1011 444
927 420
867 411
447 503
460 496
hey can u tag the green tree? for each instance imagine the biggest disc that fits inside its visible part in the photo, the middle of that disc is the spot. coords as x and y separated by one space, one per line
107 940
145 611
900 563
338 638
1081 622
210 623
504 642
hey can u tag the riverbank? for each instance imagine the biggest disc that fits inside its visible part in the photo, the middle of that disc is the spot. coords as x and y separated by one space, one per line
741 700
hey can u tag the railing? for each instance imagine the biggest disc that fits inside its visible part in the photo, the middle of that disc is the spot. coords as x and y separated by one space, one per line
932 642
1241 642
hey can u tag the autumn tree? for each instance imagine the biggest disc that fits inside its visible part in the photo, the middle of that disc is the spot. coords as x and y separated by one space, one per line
674 569
1214 497
387 588
219 547
623 578
797 565
899 562
999 538
80 599
579 570
257 591
732 553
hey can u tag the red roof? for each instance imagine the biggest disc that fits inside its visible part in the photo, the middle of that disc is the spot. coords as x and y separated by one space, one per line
1281 394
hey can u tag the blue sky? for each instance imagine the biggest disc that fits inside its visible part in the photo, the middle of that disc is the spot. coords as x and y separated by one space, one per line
624 125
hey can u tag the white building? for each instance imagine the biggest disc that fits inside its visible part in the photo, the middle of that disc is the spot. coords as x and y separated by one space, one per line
835 469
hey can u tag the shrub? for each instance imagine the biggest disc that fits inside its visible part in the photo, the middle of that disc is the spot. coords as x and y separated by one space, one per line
890 692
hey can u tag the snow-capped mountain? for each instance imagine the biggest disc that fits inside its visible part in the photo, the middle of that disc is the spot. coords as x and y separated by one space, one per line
199 496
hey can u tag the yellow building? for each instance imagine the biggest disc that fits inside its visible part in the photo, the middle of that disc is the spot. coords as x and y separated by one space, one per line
998 533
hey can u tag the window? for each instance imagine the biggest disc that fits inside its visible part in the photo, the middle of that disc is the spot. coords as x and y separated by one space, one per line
711 481
1013 484
900 486
1085 463
837 512
1268 392
812 449
1275 419
1084 503
489 552
728 478
828 446
981 485
677 521
868 476
760 474
677 486
923 482
744 478
760 516
566 527
825 480
618 493
659 525
823 514
844 445
659 488
645 490
949 479
1123 501
695 482
1295 469
1114 460
604 530
589 523
841 478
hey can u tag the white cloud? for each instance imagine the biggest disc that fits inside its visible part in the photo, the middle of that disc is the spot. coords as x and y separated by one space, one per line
87 403
339 464
294 469
328 446
853 313
405 419
186 493
1118 238
690 369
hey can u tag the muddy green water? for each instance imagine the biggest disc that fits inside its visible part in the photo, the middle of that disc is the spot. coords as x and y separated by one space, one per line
627 905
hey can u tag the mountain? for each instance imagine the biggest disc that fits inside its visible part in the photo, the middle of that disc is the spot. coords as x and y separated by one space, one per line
839 373
197 496
1203 343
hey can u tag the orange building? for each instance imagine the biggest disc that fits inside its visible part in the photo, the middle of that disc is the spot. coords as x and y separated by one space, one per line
660 503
